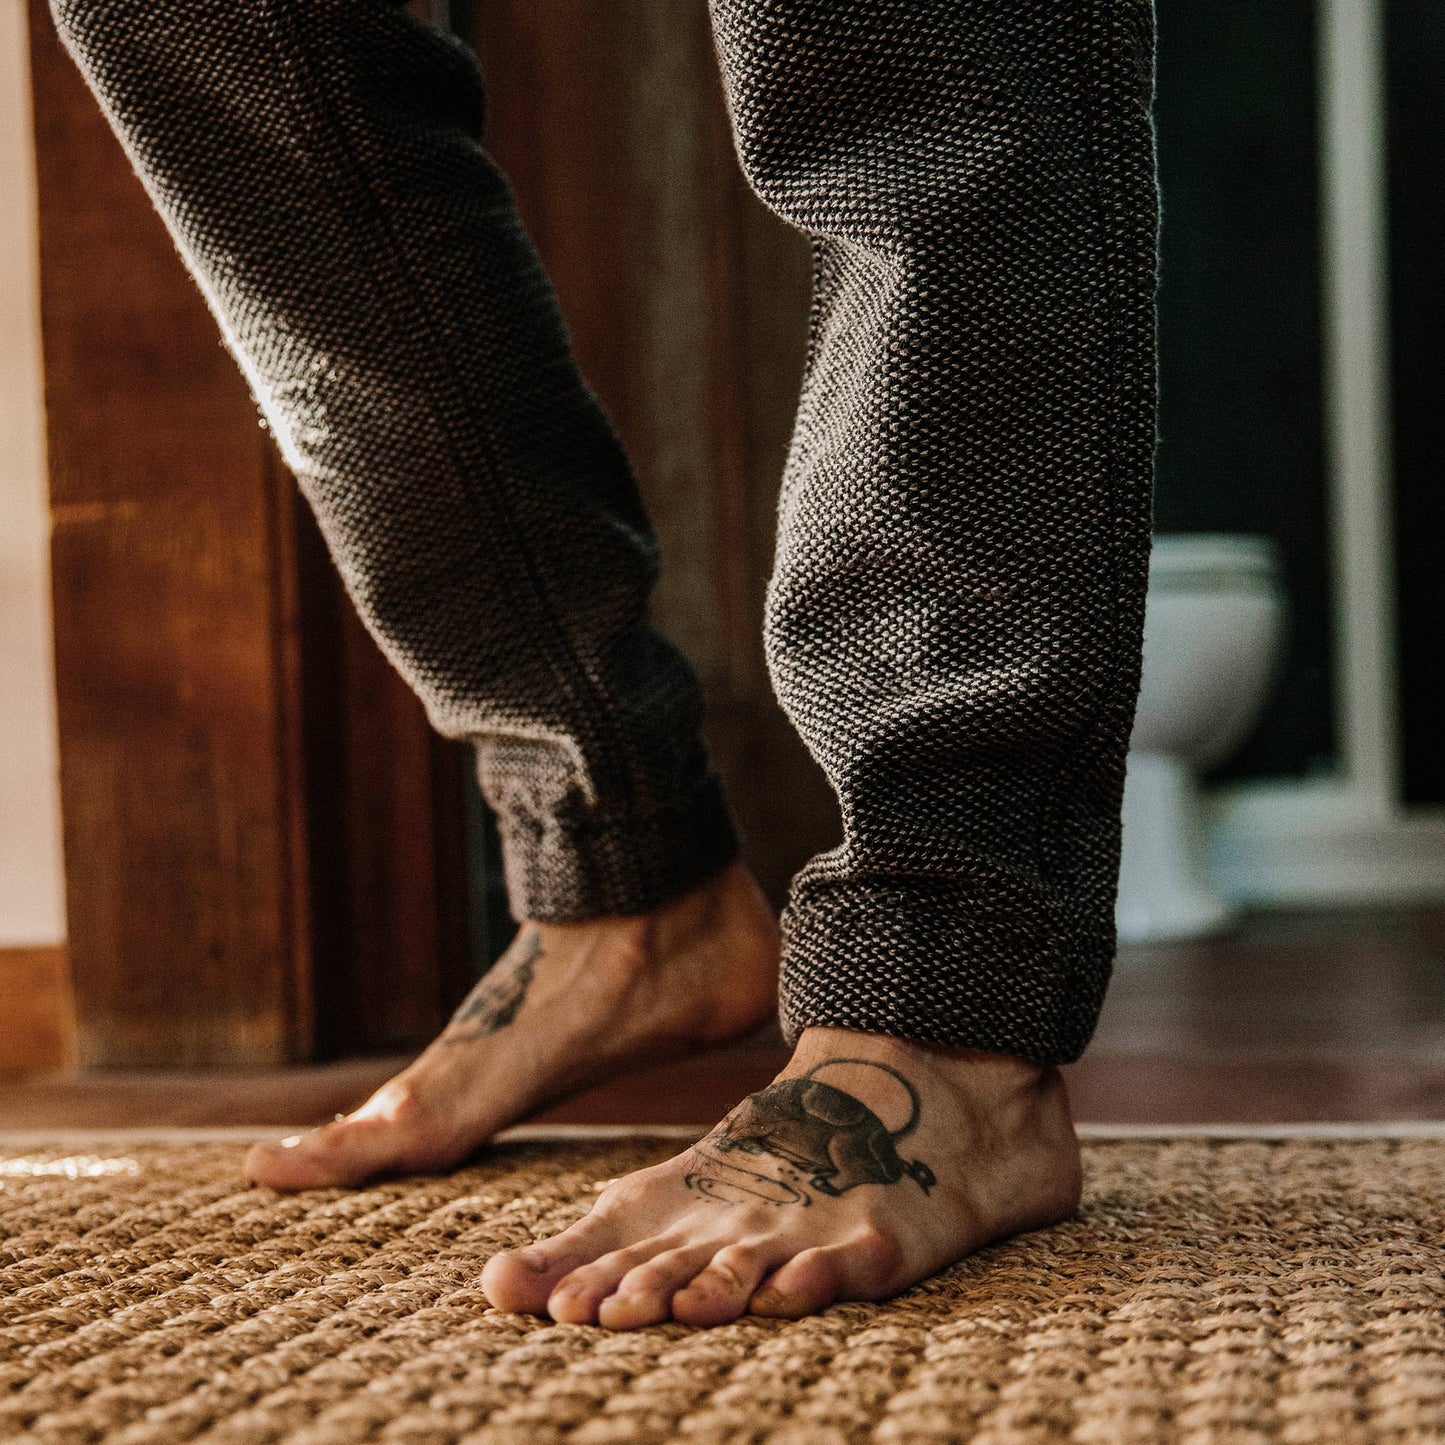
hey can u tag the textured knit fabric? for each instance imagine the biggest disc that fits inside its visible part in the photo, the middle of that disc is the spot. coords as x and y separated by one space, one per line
317 163
955 620
954 624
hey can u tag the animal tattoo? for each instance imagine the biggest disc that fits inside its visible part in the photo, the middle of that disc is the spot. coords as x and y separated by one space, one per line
498 997
816 1137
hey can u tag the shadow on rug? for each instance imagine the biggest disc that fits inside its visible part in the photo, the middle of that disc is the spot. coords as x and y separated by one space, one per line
1242 1291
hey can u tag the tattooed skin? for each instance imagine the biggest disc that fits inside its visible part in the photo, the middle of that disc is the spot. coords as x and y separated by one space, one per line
497 998
811 1135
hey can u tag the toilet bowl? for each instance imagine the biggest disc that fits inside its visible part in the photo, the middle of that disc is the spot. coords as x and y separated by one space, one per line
1212 632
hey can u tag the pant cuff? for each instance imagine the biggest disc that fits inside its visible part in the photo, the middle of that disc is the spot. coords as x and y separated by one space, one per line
568 873
936 961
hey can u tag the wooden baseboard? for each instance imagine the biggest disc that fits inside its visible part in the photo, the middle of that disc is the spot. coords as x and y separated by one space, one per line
37 1011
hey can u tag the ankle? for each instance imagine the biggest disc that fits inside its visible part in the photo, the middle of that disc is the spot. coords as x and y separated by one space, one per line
976 1069
729 904
726 903
619 953
1003 1093
704 965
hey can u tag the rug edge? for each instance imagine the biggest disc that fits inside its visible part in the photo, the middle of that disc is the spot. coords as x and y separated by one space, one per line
583 1133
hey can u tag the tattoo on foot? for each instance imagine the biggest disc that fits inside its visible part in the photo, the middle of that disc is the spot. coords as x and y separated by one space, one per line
817 1135
498 997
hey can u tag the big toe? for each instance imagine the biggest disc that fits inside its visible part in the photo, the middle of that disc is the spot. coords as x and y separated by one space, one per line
521 1281
338 1154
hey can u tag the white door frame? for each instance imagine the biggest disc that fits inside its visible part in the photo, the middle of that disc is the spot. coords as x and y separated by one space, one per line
1346 839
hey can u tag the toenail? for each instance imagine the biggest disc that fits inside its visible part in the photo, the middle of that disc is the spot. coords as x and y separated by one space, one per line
723 1274
534 1260
291 1141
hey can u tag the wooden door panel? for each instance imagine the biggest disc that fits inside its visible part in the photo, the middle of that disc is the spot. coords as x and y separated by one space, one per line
174 630
261 834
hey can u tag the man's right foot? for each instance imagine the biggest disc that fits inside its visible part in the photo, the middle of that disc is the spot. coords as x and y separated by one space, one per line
566 1006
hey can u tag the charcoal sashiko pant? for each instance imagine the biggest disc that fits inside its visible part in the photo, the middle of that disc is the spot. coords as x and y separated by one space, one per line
954 623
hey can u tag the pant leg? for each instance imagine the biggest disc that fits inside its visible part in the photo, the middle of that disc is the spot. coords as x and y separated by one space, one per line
954 623
317 162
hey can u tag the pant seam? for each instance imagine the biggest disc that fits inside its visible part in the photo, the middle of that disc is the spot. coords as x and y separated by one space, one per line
562 657
1106 207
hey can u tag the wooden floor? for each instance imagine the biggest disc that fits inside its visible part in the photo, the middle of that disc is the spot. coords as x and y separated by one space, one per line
1292 1019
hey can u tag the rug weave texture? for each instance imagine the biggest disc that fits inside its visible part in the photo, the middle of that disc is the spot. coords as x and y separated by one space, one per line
1242 1291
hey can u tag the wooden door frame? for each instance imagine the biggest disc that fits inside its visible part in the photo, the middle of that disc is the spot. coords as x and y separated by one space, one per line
262 835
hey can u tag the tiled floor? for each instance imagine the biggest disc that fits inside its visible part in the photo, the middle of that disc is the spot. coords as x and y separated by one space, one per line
1304 1018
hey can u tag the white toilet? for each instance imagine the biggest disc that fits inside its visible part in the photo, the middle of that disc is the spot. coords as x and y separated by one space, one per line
1212 632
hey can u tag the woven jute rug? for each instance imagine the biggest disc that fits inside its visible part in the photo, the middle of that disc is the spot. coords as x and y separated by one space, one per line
1246 1290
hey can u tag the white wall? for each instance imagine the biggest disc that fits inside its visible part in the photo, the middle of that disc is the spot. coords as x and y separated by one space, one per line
32 910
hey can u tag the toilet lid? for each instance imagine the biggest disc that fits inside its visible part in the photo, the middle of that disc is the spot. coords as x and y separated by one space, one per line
1194 560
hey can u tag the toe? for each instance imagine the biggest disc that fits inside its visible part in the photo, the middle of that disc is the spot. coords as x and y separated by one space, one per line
806 1284
644 1295
270 1164
521 1281
344 1153
395 1131
578 1297
722 1291
322 1159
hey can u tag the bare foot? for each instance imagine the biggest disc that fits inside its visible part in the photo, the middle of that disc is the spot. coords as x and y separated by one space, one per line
565 1006
866 1166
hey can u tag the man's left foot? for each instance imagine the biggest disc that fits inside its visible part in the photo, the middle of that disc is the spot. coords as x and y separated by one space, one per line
567 1005
867 1165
